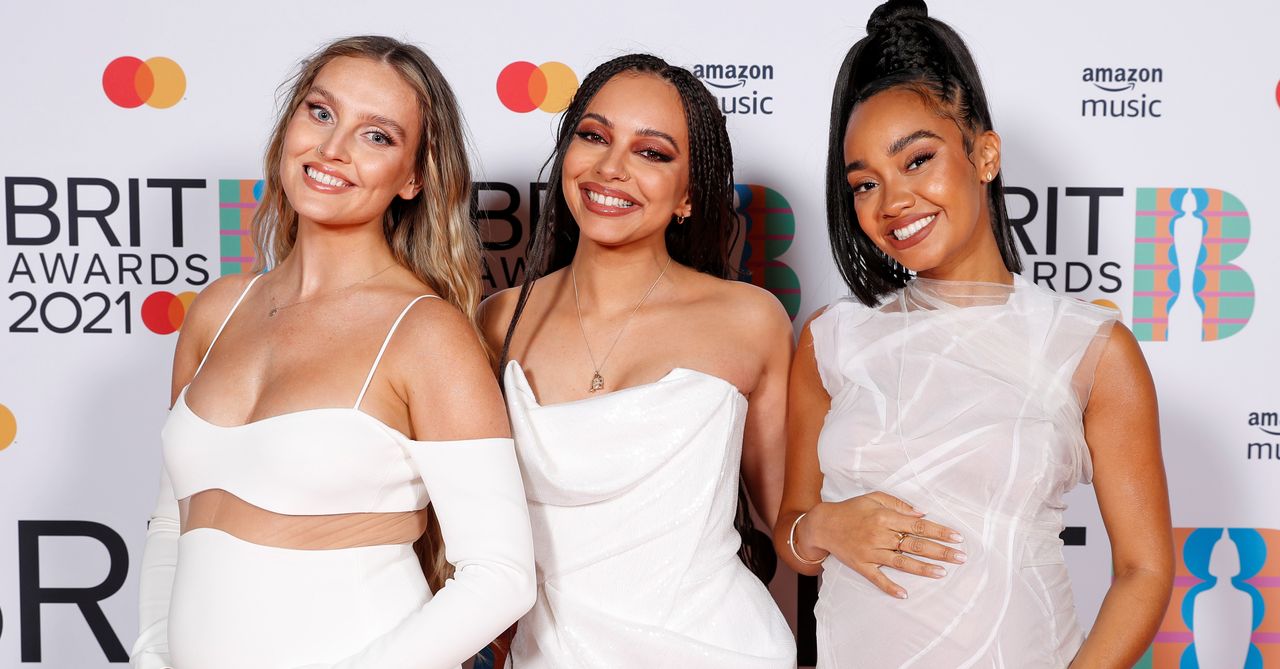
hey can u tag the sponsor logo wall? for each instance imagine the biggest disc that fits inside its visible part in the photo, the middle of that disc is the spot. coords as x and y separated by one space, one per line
1138 170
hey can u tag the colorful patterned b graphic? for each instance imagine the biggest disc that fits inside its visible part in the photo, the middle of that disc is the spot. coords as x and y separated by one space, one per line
769 226
237 201
1225 609
1185 240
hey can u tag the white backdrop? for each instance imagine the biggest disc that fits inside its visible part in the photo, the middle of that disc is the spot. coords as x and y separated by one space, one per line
1116 118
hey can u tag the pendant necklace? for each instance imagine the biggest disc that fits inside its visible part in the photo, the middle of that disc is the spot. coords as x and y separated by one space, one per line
597 381
276 309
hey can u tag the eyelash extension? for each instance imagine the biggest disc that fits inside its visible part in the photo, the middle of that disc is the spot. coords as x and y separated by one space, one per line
923 156
656 155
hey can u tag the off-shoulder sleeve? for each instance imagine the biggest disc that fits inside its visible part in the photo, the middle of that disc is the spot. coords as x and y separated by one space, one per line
478 496
159 559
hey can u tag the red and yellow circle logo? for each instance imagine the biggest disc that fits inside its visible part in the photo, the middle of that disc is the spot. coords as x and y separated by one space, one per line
158 82
8 427
163 312
524 87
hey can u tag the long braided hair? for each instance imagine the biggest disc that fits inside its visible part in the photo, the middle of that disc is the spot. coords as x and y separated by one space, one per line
703 243
904 49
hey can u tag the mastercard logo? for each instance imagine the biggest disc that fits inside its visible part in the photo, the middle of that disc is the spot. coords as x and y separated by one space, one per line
8 427
524 87
163 312
158 82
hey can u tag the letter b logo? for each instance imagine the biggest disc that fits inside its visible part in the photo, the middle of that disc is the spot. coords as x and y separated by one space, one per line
1185 241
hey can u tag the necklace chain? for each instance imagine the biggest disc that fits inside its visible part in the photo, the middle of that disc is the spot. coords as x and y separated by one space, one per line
278 308
597 381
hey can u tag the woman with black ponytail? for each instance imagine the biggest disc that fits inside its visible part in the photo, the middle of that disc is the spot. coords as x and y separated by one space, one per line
645 388
938 415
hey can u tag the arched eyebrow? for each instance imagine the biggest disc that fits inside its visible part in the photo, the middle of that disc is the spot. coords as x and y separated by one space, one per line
643 132
390 124
896 147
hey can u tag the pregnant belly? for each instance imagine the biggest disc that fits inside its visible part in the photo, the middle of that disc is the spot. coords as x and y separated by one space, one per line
238 604
979 615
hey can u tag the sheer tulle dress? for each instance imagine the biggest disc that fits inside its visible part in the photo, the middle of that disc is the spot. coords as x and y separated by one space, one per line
632 497
965 400
286 542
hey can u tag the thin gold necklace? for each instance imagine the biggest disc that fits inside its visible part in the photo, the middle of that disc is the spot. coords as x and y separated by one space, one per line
276 309
597 381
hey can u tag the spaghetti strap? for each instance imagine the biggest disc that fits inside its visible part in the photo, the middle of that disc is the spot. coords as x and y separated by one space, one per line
224 324
368 379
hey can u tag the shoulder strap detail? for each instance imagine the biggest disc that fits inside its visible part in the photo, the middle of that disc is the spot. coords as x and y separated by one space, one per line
369 379
224 323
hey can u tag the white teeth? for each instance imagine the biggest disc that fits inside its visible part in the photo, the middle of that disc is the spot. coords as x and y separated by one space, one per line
906 231
325 178
608 200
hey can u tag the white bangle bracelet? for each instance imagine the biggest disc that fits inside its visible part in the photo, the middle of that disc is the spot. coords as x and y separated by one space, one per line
791 542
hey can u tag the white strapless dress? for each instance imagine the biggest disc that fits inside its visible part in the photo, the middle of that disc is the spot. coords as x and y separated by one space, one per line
631 498
965 400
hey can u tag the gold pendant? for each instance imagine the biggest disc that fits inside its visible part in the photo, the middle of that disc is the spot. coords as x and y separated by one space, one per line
597 383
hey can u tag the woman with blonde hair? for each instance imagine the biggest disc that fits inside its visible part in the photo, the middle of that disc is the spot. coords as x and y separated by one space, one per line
347 389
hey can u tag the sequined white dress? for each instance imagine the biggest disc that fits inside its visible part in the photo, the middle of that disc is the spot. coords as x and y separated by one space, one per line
631 497
965 400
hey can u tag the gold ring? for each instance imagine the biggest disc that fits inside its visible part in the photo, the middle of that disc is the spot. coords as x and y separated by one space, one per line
901 537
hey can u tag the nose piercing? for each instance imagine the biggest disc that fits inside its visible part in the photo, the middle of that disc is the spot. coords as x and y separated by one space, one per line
320 150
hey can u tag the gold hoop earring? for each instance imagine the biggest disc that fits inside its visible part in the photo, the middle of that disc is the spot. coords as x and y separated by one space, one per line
679 220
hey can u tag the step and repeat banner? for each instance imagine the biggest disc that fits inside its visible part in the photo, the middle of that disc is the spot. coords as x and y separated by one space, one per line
1138 139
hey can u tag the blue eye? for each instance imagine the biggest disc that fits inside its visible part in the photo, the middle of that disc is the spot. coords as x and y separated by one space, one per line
321 114
379 138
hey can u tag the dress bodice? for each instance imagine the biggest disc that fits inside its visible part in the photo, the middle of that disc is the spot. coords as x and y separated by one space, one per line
632 496
966 401
310 462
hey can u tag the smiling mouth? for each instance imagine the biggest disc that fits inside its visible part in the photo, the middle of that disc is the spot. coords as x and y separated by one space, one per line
609 200
908 231
326 179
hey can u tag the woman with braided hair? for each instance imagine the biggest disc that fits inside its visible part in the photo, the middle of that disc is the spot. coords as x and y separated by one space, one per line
645 388
938 415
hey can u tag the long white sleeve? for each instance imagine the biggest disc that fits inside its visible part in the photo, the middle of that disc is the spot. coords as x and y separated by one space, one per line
476 489
159 559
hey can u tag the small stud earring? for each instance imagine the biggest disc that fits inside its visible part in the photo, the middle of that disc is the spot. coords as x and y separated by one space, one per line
989 177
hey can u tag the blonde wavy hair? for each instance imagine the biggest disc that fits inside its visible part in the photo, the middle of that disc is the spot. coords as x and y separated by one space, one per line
432 234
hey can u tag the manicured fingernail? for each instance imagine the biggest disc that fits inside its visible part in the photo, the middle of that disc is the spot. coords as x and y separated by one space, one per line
960 557
916 511
938 572
901 594
955 537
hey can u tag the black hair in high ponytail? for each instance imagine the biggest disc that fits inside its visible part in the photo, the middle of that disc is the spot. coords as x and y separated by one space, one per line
904 48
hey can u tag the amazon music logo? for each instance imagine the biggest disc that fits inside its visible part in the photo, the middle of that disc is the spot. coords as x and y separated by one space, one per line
742 88
1268 448
1121 92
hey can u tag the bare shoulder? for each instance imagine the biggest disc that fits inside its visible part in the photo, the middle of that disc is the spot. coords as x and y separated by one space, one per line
209 309
495 315
1122 357
751 306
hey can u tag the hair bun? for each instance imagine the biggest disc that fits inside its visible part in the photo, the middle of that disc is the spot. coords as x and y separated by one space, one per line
894 11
